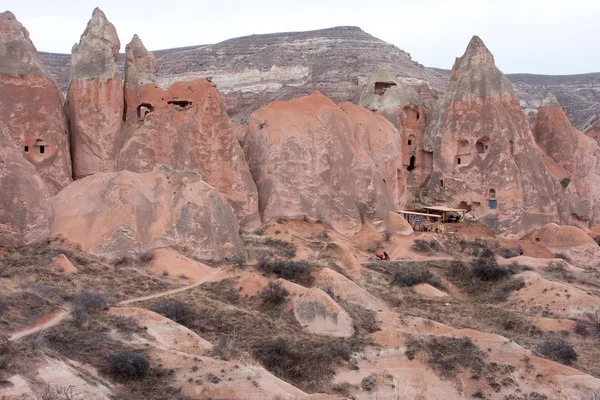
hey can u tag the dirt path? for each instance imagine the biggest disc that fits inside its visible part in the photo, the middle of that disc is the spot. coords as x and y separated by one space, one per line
41 326
61 314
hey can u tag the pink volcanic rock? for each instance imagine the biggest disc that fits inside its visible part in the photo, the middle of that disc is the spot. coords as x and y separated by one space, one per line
309 158
576 164
122 213
484 154
187 127
31 109
95 99
25 208
571 241
401 105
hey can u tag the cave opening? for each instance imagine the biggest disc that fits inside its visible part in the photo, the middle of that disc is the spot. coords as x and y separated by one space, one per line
411 166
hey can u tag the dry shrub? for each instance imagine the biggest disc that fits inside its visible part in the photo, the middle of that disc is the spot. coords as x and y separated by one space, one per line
175 310
283 248
487 269
369 383
274 293
387 235
323 235
126 324
505 252
302 360
89 301
226 349
447 354
146 256
57 393
421 246
298 271
127 366
557 350
364 320
414 274
374 246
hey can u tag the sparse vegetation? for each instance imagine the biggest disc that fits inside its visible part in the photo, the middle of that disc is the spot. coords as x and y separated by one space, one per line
421 246
274 293
267 247
126 324
447 354
487 269
364 320
127 366
300 360
146 256
374 246
387 235
175 310
508 253
321 236
414 274
560 270
89 302
369 383
558 350
56 393
298 271
226 349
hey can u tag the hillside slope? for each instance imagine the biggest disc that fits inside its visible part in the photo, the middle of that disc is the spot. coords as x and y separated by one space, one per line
254 70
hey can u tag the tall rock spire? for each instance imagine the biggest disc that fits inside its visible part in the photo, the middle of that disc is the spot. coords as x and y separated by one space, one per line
574 160
484 155
31 112
140 64
95 98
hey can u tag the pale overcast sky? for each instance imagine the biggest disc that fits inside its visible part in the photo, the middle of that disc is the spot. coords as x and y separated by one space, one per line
535 36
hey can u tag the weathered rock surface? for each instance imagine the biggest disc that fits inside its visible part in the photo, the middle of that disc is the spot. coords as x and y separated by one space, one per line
187 127
403 107
484 154
396 223
61 264
570 241
320 314
576 164
95 99
120 214
31 110
343 258
25 208
310 157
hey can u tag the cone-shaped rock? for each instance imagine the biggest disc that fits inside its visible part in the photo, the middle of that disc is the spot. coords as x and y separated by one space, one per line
95 98
484 154
31 110
25 208
187 127
311 157
574 162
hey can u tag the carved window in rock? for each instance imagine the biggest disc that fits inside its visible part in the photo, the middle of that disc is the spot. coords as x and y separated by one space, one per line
381 87
483 145
492 194
41 146
411 166
143 110
411 140
180 105
26 149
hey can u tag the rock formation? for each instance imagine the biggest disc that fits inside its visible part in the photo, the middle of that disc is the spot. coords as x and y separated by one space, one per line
570 241
140 70
575 163
310 157
95 99
484 155
402 105
31 111
187 127
25 208
120 214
